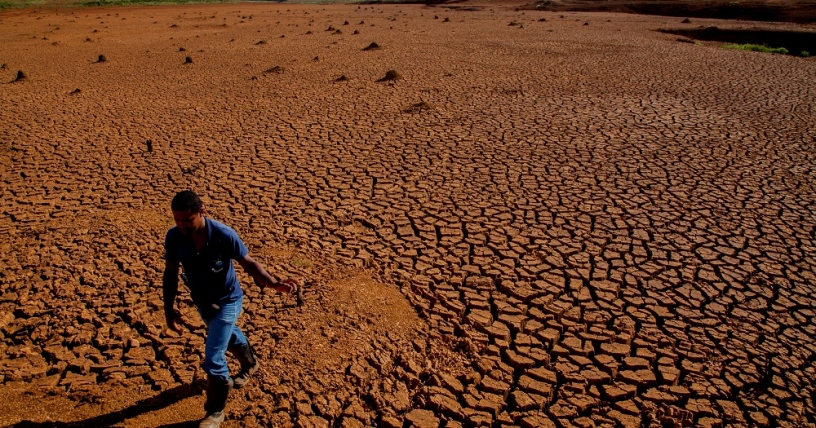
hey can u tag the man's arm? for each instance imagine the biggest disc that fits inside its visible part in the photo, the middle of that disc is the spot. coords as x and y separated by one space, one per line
170 289
264 279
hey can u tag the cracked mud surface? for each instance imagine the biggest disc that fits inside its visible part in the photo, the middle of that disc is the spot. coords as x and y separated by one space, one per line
574 221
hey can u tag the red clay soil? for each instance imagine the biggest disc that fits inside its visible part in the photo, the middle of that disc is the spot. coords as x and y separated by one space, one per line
551 219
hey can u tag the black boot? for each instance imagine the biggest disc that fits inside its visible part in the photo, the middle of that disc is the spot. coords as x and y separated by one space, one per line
218 391
249 364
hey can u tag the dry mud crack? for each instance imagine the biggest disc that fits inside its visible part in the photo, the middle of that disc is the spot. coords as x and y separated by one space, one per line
584 225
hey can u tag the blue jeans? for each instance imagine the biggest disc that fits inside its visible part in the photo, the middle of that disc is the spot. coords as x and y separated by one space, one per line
222 333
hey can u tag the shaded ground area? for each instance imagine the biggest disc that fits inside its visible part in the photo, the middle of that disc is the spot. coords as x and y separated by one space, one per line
506 217
802 11
796 42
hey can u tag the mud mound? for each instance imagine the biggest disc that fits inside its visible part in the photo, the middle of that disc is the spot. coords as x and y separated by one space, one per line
390 76
274 70
418 107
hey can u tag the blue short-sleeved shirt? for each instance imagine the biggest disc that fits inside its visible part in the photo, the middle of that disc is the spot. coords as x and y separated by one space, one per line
210 272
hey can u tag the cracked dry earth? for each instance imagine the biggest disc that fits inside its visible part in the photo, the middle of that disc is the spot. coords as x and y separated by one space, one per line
541 223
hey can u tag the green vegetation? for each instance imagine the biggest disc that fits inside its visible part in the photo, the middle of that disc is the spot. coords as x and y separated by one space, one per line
10 4
304 263
805 54
142 2
756 48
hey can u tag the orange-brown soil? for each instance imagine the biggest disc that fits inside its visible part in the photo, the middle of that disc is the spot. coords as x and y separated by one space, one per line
549 218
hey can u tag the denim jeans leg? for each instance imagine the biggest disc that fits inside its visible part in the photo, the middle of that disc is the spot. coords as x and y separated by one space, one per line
237 338
222 333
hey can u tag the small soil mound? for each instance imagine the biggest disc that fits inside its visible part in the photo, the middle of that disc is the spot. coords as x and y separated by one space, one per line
465 8
371 47
331 28
188 60
686 21
342 78
181 49
446 20
101 58
418 107
356 32
274 70
390 76
76 91
260 42
20 76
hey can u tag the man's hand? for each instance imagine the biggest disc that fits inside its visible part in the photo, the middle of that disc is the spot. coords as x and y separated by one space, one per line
263 279
290 284
174 321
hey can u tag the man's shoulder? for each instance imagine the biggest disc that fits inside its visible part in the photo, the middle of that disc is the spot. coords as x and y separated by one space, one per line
172 235
221 230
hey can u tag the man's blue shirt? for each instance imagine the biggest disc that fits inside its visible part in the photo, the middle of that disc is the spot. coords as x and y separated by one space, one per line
210 273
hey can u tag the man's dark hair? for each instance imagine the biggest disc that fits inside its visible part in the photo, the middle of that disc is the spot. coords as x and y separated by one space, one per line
186 200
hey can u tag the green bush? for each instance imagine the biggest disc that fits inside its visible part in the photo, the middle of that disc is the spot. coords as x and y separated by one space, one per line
16 4
805 54
756 48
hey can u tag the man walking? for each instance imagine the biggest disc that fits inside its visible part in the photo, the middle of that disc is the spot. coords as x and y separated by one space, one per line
205 249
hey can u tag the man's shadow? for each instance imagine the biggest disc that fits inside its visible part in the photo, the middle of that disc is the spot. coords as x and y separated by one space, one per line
164 399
